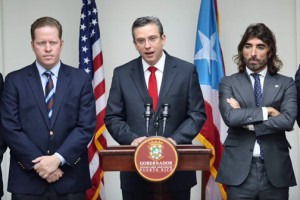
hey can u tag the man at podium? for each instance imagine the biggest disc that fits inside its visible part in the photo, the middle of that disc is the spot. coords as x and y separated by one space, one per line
155 94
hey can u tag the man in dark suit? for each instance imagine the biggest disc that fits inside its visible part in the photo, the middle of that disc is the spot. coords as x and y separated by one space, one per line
177 85
259 106
2 143
48 138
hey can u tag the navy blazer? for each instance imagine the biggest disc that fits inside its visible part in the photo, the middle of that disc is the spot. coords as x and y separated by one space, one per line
280 93
29 133
2 143
125 108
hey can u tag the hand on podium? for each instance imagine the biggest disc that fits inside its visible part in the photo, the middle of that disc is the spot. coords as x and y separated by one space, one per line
138 140
173 141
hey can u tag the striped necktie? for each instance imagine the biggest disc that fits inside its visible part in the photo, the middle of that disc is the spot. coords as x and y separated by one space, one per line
49 93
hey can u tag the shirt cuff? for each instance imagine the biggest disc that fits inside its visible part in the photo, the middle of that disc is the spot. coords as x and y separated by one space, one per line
265 113
250 127
62 160
265 117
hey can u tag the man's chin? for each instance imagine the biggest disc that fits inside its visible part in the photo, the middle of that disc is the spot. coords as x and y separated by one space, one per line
253 67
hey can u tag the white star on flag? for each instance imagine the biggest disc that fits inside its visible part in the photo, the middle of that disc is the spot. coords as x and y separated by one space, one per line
82 26
87 70
85 49
86 60
83 38
207 52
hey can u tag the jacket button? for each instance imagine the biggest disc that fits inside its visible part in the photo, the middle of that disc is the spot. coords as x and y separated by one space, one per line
51 133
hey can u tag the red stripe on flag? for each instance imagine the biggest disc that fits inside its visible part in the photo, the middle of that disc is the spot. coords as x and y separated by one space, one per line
211 139
98 61
99 89
100 120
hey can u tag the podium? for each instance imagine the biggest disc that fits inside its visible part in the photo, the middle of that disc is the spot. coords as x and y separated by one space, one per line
190 158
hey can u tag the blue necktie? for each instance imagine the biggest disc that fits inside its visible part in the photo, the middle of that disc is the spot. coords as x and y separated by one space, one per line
257 89
49 93
258 97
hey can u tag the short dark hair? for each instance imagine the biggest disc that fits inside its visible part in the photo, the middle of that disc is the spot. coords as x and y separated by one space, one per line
262 32
45 21
143 21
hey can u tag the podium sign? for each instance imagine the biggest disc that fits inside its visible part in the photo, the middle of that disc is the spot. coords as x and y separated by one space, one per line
190 158
121 158
156 159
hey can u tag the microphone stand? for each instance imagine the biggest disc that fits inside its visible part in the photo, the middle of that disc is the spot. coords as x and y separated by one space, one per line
147 116
165 115
156 125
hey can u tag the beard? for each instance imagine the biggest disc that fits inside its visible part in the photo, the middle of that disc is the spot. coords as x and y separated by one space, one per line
257 66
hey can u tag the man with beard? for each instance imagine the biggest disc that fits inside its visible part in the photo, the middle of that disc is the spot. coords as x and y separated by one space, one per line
258 105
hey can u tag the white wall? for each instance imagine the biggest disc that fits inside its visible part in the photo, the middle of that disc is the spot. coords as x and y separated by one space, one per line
180 21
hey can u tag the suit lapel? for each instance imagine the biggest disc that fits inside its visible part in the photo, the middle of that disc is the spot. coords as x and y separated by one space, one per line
270 89
169 75
138 79
61 87
167 80
245 89
34 81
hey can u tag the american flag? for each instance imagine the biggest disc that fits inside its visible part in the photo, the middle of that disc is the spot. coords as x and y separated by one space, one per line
91 60
210 66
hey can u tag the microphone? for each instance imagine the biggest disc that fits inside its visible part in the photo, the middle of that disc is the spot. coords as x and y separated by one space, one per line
148 113
165 115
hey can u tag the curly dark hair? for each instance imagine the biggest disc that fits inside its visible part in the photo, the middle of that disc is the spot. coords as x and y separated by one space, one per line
262 32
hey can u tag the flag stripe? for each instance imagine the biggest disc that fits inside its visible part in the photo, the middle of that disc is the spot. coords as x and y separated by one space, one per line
97 50
100 108
99 88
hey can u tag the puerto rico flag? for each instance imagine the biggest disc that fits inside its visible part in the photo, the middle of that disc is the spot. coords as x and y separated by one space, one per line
210 66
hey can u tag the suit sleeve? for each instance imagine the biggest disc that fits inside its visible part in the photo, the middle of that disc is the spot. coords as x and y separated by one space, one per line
82 133
195 112
285 104
115 118
288 112
236 117
19 143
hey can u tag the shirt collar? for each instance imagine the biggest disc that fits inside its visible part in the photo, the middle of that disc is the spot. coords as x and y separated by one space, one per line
42 69
160 65
262 73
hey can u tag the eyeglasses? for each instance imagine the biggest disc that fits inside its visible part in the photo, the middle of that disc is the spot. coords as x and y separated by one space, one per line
151 40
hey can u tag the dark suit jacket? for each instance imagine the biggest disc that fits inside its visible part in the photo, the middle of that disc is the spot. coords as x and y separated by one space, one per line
297 80
27 128
279 92
124 115
2 144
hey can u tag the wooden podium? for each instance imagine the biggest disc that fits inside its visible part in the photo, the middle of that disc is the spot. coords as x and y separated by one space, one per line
190 158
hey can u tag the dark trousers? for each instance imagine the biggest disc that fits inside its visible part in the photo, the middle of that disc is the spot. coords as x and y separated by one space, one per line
50 194
182 195
257 186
